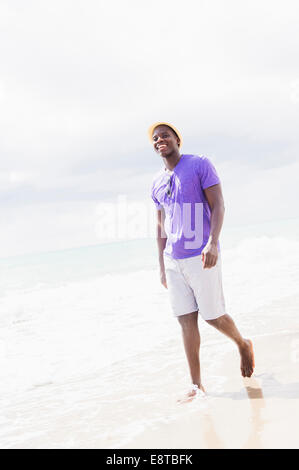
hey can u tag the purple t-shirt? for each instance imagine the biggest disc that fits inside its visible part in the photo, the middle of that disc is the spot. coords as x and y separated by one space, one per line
187 213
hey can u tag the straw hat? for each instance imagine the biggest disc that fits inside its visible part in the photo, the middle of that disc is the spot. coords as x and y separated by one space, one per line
153 127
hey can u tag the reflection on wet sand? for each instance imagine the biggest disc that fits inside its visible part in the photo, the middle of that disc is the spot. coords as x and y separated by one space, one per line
254 392
257 402
211 438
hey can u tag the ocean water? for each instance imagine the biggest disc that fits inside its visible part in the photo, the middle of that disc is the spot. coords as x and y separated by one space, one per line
88 344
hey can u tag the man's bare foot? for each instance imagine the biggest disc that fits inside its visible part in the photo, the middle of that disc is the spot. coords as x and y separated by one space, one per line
247 358
196 391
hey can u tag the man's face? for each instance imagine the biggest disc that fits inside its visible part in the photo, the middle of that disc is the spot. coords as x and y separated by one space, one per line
165 141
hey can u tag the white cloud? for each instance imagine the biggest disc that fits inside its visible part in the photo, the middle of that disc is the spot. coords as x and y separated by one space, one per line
14 179
257 195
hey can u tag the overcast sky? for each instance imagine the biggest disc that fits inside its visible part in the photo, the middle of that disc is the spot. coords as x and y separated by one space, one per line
81 81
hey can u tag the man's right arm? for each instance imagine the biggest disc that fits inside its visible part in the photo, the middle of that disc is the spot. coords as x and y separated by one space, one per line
161 242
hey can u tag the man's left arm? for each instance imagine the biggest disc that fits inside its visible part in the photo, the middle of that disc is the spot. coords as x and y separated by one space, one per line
216 203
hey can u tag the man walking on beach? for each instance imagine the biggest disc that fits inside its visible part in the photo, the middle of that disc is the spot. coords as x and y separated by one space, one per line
190 210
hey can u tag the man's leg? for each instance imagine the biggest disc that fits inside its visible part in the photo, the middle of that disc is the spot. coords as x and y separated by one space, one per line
226 325
191 338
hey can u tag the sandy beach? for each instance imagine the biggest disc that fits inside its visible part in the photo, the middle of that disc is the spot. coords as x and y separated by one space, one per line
260 412
81 368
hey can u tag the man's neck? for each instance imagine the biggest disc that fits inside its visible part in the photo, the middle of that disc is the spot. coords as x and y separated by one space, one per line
171 161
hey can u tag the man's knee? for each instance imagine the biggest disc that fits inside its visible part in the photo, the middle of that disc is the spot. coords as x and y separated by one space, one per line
212 322
189 320
217 321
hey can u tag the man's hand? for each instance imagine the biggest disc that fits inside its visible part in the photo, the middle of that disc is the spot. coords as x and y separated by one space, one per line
209 255
163 278
216 205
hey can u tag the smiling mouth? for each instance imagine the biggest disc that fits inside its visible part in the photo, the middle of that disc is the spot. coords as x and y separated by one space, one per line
162 147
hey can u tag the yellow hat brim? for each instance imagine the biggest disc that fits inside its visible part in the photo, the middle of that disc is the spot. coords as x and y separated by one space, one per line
153 127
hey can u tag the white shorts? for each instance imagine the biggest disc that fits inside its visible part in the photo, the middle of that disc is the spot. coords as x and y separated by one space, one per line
192 288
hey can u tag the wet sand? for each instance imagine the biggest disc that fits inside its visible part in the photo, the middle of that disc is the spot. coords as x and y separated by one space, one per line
133 404
260 412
